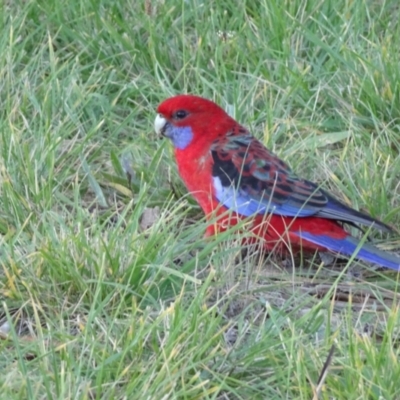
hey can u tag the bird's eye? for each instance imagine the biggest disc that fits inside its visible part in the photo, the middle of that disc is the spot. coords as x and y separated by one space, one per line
180 114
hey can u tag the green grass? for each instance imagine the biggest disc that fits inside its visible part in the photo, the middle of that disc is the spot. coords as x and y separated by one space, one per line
101 308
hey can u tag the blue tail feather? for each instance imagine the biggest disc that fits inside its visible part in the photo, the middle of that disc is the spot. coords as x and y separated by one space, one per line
348 246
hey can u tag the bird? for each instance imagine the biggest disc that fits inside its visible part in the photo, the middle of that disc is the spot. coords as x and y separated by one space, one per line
235 178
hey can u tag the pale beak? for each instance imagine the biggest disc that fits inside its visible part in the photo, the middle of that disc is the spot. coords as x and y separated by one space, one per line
159 124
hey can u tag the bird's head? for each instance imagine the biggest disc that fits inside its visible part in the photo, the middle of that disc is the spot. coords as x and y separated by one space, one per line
187 119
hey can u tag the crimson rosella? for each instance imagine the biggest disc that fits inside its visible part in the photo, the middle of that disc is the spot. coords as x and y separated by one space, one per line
233 176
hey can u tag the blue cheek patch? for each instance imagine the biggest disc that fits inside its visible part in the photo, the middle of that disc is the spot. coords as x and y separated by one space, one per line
180 136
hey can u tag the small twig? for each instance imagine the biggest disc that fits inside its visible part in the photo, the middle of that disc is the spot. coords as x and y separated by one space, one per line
324 373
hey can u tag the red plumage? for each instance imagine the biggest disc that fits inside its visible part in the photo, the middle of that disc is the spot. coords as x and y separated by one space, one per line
233 176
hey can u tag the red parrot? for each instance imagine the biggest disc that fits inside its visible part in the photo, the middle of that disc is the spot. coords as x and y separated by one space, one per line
233 176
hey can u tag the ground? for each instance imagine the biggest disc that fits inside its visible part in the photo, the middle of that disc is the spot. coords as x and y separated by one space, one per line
107 287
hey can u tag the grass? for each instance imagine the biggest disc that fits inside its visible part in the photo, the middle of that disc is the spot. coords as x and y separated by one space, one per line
100 305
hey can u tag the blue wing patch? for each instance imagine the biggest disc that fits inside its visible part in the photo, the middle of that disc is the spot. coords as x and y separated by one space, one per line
243 203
